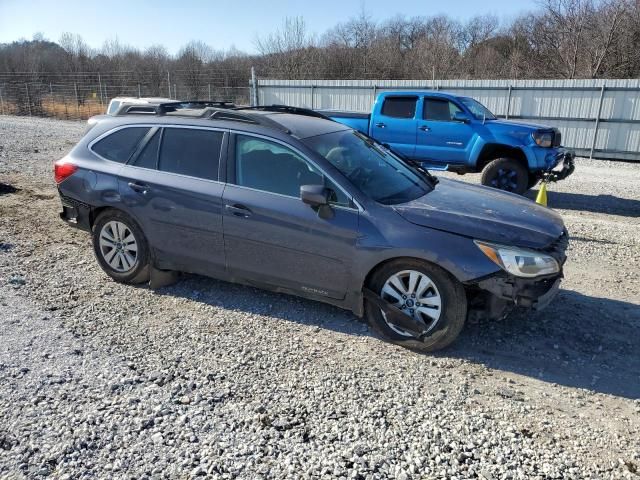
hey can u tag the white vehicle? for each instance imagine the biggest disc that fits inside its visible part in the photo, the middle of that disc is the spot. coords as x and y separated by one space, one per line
115 103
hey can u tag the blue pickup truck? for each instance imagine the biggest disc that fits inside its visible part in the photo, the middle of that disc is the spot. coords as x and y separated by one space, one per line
444 131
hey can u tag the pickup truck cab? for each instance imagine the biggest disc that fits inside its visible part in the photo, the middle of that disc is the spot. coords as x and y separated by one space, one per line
444 131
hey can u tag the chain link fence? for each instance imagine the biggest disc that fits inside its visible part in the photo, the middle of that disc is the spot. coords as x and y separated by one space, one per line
82 95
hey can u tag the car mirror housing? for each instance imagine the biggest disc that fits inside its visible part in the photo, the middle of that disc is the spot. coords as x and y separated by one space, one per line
461 117
314 195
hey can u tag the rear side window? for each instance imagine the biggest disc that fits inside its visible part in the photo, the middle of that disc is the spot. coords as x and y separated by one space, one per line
192 152
399 107
120 145
439 110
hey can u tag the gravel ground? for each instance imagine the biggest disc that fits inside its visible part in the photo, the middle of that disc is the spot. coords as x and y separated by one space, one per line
204 378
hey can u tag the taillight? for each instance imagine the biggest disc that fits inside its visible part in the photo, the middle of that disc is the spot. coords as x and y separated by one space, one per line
62 170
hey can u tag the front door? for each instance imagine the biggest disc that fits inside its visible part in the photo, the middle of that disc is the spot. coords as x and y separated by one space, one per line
172 188
271 236
440 139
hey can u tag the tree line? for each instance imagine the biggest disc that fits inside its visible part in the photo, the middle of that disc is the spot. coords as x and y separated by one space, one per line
558 39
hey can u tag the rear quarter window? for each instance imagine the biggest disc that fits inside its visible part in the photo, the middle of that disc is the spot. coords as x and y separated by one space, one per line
120 145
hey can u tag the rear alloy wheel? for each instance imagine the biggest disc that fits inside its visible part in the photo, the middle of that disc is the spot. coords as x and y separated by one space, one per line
120 247
427 293
506 174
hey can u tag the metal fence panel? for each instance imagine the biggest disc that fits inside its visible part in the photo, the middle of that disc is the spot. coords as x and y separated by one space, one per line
607 111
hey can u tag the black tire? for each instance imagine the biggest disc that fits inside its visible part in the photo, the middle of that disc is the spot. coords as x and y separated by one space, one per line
139 270
453 306
506 174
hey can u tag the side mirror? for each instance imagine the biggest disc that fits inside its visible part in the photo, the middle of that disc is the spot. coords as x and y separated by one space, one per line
314 195
461 117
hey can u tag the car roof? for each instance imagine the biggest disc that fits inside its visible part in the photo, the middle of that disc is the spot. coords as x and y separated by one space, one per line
431 93
254 120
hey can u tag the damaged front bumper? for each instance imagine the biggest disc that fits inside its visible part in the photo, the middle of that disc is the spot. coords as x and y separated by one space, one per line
496 296
564 166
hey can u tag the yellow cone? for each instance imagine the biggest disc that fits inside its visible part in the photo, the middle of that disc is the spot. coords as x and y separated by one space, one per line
542 194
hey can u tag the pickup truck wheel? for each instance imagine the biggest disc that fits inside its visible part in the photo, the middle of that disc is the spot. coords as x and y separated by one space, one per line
120 247
424 291
506 174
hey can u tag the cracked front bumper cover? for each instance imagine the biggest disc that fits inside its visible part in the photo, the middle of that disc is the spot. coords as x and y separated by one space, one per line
564 167
534 293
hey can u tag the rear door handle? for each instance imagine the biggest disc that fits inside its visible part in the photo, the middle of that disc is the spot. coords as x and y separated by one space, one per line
380 125
139 187
238 210
424 128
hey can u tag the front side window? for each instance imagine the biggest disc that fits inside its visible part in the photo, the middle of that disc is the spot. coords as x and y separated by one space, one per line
371 169
439 110
272 167
399 107
190 151
478 110
120 145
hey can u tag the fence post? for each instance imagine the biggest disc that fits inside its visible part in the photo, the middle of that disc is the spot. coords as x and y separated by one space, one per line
175 91
26 85
209 85
254 88
100 90
75 89
595 128
1 101
139 91
169 82
375 92
313 89
508 103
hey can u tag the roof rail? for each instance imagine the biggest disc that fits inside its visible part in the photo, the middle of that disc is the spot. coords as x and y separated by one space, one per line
286 109
167 107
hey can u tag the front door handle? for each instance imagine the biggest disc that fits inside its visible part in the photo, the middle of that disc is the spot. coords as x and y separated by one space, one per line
380 125
238 210
139 187
424 128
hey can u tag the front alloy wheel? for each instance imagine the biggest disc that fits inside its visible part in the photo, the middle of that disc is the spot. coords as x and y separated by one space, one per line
414 293
426 292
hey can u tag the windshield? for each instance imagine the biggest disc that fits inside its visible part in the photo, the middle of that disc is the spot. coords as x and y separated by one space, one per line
478 110
372 169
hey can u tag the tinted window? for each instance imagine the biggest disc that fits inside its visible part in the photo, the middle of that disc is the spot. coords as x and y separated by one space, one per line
148 158
399 107
192 152
440 110
120 145
371 169
271 167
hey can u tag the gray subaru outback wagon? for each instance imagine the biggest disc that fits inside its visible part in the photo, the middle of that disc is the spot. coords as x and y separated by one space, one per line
285 199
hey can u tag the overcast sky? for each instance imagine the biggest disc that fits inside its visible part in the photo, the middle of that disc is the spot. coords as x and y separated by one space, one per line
219 23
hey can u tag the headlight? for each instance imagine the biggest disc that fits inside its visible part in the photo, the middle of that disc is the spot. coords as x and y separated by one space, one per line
519 262
543 139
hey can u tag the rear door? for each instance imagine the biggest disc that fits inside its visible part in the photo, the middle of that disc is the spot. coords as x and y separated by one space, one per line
440 139
271 236
396 123
172 187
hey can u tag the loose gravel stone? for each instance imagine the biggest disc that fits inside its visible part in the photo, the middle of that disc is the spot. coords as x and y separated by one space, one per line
205 378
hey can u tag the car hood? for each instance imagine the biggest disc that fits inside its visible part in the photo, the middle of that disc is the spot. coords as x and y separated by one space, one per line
512 123
485 214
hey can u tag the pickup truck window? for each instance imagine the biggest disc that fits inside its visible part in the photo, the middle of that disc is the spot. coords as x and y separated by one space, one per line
477 109
373 170
399 107
439 110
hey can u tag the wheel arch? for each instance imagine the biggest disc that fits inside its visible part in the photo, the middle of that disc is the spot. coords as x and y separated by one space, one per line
491 151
